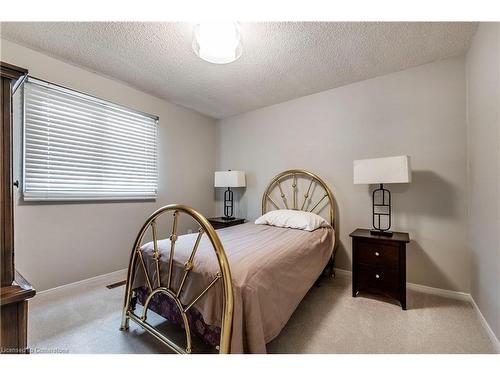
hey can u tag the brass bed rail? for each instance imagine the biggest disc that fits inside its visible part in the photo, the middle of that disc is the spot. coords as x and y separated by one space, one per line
154 284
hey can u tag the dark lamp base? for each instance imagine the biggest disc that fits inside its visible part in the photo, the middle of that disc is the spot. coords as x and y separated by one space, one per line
227 218
383 233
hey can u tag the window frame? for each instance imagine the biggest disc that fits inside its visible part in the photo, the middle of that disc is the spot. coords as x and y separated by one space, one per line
82 199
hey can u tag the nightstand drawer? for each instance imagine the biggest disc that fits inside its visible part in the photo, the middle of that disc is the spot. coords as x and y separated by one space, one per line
375 253
378 278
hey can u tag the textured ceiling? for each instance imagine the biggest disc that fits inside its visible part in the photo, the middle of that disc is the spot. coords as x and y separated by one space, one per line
280 61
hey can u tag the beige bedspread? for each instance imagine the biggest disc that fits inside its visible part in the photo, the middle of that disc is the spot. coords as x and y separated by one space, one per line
272 269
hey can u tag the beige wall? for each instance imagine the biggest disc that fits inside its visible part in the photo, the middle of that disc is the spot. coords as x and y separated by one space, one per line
58 244
483 127
419 112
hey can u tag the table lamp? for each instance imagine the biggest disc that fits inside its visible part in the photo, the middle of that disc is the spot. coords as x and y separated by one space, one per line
391 170
229 179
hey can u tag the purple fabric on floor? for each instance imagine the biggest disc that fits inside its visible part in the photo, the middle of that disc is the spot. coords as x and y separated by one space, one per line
164 306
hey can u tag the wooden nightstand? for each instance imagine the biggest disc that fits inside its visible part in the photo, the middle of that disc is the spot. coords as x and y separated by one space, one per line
219 222
379 264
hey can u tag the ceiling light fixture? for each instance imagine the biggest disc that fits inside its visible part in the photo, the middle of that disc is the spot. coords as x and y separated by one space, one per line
217 42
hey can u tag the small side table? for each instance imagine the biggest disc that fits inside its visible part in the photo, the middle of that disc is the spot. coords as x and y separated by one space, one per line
379 264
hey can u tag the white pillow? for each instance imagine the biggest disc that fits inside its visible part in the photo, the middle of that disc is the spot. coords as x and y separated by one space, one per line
293 219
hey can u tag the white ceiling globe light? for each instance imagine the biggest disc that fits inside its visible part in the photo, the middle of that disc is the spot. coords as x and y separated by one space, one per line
217 42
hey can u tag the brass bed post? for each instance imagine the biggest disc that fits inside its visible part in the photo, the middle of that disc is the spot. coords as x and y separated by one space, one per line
130 278
224 274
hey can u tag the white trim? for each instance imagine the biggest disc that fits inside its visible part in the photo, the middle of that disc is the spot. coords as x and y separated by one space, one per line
343 273
439 292
107 278
443 293
486 326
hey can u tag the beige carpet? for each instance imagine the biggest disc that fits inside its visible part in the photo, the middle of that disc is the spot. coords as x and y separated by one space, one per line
86 320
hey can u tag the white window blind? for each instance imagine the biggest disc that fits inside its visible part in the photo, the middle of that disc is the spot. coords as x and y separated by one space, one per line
77 147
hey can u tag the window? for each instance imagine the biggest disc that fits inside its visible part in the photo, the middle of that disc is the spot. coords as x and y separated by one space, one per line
77 147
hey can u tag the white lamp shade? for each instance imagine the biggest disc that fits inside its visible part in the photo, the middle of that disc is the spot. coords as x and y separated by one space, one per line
391 170
230 179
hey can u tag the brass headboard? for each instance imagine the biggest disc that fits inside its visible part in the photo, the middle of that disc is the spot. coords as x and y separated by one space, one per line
304 201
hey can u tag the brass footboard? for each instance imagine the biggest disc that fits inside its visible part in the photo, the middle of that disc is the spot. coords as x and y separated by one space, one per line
154 285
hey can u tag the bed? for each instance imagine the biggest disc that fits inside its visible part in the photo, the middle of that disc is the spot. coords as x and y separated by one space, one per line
236 287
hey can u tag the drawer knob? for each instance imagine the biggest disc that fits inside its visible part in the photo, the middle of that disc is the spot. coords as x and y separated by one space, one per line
377 276
377 253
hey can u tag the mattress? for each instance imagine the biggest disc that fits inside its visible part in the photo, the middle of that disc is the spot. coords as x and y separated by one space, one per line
271 268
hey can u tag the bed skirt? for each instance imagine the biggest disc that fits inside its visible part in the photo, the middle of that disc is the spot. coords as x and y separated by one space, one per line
165 307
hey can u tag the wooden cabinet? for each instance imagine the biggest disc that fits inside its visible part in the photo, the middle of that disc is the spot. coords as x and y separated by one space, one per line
14 289
14 316
379 264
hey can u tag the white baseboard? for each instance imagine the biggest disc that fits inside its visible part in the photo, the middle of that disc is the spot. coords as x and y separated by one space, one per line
439 292
342 273
486 326
107 278
443 293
